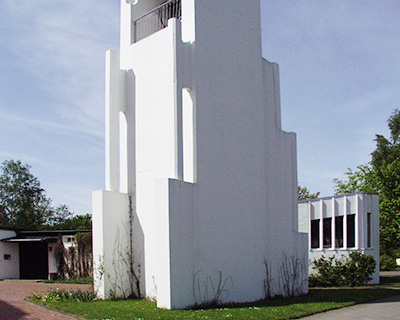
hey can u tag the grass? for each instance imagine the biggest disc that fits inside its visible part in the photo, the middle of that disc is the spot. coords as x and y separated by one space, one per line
72 281
318 300
391 281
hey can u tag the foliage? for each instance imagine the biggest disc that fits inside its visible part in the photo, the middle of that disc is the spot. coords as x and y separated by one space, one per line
59 254
77 261
387 263
125 281
304 194
78 222
291 275
359 269
134 266
356 270
318 300
329 273
361 180
64 295
381 176
58 216
388 150
269 290
210 294
389 197
23 202
84 280
84 253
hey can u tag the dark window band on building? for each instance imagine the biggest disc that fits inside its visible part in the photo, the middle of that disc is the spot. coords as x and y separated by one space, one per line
351 230
327 232
339 232
315 234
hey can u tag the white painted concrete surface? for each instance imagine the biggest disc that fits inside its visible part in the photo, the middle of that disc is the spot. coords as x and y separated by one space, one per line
212 176
9 257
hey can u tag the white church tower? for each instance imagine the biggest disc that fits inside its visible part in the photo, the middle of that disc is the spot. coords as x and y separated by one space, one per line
201 182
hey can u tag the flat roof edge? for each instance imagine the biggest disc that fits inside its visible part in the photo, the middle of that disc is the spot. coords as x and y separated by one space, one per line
339 196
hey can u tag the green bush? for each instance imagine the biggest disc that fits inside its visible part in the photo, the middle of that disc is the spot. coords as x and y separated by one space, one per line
354 270
387 263
329 273
64 295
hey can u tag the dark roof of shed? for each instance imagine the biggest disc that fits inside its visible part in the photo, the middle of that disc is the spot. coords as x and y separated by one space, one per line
42 235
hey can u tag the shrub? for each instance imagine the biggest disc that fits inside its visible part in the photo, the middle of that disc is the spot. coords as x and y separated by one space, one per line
387 263
329 273
354 270
63 295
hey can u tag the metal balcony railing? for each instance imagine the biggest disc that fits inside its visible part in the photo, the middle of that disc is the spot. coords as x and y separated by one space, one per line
155 20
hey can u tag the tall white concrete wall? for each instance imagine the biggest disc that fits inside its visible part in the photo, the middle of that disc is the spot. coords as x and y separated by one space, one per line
152 61
360 205
111 245
9 268
215 178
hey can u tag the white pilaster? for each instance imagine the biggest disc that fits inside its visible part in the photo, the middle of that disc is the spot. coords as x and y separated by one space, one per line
115 102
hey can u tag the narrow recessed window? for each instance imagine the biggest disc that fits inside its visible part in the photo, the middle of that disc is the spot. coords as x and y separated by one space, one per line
369 230
351 230
7 257
189 137
339 232
327 232
315 234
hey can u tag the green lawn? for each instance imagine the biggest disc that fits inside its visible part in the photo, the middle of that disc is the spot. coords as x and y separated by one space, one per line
72 281
318 300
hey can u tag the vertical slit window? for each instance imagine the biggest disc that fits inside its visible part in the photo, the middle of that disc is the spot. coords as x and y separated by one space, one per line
351 230
188 136
327 232
339 232
315 234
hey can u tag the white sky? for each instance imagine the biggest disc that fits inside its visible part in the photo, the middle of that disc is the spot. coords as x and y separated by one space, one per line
340 80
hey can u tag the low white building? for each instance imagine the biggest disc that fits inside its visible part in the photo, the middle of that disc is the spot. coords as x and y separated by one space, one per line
9 256
30 254
340 225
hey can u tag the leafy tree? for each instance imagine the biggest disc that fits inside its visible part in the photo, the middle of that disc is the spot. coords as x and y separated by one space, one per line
361 180
59 216
304 194
381 176
386 165
388 150
389 198
78 222
23 203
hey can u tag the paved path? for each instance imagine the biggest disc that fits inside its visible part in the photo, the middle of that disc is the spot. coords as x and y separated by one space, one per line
386 309
14 307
